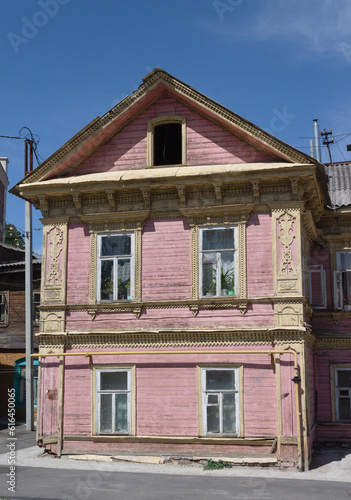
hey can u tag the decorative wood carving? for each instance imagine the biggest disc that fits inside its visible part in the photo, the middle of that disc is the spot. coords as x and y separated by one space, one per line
286 237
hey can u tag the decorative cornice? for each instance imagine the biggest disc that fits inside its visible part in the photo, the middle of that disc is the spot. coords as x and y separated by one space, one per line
333 343
170 339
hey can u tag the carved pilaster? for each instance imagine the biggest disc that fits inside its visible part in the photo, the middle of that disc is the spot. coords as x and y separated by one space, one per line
287 252
218 194
242 259
54 263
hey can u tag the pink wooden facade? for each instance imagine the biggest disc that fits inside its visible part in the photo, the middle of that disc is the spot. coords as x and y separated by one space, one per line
143 352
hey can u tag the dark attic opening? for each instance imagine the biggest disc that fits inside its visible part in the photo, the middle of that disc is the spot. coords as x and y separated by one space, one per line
168 144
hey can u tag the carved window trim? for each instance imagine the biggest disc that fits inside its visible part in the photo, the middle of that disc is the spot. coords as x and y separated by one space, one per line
241 258
93 295
160 120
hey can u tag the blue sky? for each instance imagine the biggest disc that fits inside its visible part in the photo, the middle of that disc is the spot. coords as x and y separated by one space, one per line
279 64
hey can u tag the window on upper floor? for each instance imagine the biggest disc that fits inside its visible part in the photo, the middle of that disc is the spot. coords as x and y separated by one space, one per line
115 267
218 261
166 141
317 287
114 395
220 395
4 308
342 393
342 281
36 304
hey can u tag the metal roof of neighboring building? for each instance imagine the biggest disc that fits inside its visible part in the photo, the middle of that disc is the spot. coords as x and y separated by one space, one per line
339 184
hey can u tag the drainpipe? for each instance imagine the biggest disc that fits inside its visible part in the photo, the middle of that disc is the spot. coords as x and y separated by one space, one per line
317 143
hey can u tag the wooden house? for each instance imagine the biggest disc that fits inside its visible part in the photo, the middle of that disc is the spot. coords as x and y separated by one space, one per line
187 277
12 326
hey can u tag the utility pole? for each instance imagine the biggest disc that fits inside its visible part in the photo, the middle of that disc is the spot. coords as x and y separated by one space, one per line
326 142
28 149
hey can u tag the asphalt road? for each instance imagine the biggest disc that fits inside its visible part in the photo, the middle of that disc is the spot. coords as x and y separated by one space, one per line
42 483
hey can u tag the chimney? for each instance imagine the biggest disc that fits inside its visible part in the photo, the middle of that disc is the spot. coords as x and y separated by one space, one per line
317 143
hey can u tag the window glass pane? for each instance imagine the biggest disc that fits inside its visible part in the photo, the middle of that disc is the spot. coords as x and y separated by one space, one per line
209 279
168 144
212 399
2 308
123 278
344 409
213 419
114 381
121 421
227 270
345 260
218 239
229 424
115 245
219 380
106 279
344 378
106 412
346 287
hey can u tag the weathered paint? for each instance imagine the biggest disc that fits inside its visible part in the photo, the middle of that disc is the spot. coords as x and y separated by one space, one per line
207 143
78 264
257 315
166 390
166 262
259 255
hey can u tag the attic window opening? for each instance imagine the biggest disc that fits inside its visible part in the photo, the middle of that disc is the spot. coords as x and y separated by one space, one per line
166 141
168 144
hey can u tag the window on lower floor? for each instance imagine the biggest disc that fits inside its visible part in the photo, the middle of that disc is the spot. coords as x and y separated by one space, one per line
113 407
220 401
115 267
343 394
4 317
217 261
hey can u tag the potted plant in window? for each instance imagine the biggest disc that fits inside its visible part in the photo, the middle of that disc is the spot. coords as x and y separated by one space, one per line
227 281
107 289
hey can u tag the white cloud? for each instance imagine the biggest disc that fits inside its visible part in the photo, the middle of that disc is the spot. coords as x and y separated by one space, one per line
319 25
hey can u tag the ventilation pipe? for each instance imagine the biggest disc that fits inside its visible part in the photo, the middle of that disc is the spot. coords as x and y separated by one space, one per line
317 143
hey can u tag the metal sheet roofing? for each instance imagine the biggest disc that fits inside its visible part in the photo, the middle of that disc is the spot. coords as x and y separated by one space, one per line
339 183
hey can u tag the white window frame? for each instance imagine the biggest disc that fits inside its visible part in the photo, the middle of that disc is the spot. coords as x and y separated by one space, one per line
339 389
317 268
99 392
338 293
235 261
115 267
204 398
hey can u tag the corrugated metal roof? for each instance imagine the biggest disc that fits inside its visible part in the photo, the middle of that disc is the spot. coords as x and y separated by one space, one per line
18 263
339 184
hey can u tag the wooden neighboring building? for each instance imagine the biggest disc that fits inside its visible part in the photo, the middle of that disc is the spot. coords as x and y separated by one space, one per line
187 263
12 324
